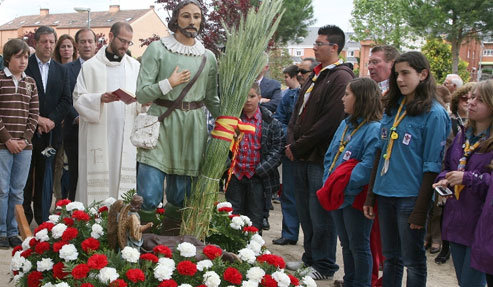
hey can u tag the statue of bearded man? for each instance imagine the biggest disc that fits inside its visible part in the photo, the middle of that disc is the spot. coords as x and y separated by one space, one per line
167 67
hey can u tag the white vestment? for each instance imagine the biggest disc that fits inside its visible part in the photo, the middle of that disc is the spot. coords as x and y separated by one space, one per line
107 159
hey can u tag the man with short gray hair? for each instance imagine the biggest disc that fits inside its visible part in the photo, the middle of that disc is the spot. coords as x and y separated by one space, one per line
453 82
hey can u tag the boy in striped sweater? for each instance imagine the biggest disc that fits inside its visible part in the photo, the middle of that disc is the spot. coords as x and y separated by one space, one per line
19 110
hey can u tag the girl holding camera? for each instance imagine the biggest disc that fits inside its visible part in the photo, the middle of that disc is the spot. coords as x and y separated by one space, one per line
466 173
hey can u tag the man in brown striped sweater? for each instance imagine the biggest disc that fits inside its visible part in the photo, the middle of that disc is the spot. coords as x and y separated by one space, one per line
19 110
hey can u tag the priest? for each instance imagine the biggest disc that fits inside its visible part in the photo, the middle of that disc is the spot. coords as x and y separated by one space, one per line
106 156
167 67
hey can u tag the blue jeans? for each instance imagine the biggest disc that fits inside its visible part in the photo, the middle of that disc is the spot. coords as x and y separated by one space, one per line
354 229
320 236
247 198
290 221
14 169
401 245
150 185
466 276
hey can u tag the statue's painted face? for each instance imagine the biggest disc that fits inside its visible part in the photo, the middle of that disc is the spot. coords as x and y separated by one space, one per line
189 19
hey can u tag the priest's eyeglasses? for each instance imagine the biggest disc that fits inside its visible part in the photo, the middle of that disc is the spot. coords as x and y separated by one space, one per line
125 42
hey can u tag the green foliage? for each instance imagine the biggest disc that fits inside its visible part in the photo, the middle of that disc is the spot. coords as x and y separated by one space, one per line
127 196
381 21
439 54
455 19
279 59
298 16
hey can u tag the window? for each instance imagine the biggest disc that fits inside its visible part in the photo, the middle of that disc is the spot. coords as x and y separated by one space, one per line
488 52
350 53
298 52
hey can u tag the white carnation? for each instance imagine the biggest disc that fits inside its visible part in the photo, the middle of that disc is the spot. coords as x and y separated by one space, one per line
17 261
25 243
97 231
42 235
45 264
187 249
75 205
247 255
107 275
53 218
160 205
92 211
167 262
131 254
27 266
98 220
224 204
211 279
48 285
257 238
62 284
109 201
281 278
237 221
246 220
249 284
255 274
309 282
266 251
255 247
185 285
69 252
163 272
57 230
204 264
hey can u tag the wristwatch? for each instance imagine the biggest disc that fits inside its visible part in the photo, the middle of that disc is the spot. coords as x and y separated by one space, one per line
27 142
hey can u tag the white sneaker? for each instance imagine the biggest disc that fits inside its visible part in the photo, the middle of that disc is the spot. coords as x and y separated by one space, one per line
294 265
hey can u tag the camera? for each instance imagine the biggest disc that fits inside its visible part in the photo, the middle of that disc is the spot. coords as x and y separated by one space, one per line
443 191
48 152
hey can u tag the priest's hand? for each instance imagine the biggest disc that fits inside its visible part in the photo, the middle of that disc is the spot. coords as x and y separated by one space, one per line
178 78
108 98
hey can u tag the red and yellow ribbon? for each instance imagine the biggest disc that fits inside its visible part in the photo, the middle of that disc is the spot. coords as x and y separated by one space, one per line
231 129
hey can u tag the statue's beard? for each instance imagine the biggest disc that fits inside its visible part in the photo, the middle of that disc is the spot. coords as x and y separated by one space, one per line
187 33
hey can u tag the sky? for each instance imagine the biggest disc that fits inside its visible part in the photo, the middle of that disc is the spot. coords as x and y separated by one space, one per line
336 12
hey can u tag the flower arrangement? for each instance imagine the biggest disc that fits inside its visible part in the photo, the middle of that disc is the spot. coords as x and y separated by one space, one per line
71 249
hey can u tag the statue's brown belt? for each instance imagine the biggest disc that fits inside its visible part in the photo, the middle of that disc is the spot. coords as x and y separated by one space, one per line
185 106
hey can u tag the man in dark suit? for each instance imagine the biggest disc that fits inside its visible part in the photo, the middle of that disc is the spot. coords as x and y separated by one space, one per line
54 102
270 90
85 40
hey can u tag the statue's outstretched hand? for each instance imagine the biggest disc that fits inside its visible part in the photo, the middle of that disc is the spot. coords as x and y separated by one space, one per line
178 78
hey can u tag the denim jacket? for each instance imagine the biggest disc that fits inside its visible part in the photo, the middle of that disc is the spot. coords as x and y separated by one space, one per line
286 107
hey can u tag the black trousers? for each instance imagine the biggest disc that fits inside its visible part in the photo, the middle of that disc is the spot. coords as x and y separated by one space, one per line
72 152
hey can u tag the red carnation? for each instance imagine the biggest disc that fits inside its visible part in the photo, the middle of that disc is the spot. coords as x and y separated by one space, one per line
233 215
149 256
268 281
103 209
294 280
90 244
202 285
97 261
118 283
42 247
186 268
34 279
26 253
70 233
80 271
63 202
48 225
160 210
225 209
232 275
81 215
272 259
251 229
135 275
33 242
58 245
161 249
58 271
212 252
168 283
68 221
17 248
86 285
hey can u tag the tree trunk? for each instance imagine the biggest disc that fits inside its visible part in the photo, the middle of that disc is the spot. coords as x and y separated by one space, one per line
455 54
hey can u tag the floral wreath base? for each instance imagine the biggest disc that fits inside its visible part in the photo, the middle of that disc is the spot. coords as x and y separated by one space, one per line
71 249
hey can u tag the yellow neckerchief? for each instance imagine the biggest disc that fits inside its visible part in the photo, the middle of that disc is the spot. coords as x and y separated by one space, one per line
468 150
343 143
393 136
314 79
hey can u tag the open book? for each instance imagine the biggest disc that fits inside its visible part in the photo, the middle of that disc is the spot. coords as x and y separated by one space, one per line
125 96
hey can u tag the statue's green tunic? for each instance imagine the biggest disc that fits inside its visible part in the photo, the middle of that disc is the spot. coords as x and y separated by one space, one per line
183 134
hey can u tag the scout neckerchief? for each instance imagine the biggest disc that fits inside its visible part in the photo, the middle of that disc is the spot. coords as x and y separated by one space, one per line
343 143
314 79
393 136
468 150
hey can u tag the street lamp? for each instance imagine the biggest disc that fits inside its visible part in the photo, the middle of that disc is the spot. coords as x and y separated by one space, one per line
88 10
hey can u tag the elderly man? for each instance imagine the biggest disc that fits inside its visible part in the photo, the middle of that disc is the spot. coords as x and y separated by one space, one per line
380 65
305 69
106 157
453 82
167 67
